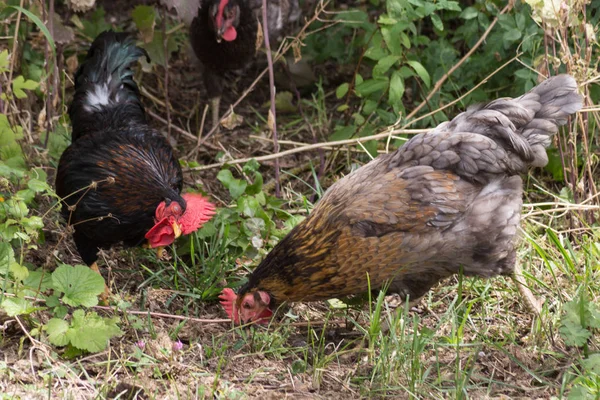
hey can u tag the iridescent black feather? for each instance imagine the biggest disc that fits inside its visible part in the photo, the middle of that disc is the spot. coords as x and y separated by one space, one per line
118 169
220 57
106 96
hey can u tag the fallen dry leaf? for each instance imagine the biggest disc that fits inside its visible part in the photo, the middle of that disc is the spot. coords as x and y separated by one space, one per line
232 121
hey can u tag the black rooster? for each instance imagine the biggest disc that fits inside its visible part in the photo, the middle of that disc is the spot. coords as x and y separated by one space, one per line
119 180
223 37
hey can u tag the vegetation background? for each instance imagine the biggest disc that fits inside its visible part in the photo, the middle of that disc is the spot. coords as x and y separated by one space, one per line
369 73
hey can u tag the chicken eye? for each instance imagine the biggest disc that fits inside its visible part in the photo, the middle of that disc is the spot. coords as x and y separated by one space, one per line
246 305
176 208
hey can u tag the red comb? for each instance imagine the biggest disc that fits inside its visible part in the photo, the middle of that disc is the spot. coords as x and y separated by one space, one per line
228 298
222 5
197 212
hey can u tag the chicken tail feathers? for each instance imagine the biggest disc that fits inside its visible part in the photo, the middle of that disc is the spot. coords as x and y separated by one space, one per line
558 99
105 92
525 125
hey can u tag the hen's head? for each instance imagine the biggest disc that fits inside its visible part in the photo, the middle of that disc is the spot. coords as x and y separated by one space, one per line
225 17
249 307
172 219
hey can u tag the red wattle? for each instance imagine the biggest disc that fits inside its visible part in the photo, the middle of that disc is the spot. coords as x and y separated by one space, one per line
161 234
230 34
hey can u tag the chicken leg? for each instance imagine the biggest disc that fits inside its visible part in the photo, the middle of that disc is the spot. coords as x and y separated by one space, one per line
214 108
414 286
104 296
531 301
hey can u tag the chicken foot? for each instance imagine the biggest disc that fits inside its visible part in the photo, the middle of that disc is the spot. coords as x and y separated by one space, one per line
531 302
214 108
106 294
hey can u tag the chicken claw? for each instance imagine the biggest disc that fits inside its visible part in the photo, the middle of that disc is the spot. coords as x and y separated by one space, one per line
104 297
531 301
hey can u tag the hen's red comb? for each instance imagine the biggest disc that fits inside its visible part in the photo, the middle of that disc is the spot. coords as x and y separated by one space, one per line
222 5
197 212
228 298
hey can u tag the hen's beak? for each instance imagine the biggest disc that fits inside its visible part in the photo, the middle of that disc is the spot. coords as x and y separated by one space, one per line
219 34
176 229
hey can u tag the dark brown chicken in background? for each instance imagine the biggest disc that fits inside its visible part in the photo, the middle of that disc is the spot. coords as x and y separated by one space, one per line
224 38
119 180
448 199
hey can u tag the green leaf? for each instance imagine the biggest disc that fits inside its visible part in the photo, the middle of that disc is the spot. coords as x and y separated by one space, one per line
38 186
343 132
251 166
144 18
512 35
19 84
60 311
592 314
156 48
421 71
58 141
371 86
437 22
405 40
342 90
385 19
255 187
93 24
57 331
574 334
41 26
236 187
19 271
7 257
396 88
18 306
16 208
91 332
33 223
555 166
80 285
469 13
337 304
284 102
52 301
38 280
580 392
4 64
10 150
592 364
358 119
393 37
384 64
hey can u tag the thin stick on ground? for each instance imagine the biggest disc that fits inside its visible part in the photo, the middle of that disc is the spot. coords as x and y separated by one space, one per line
185 134
309 147
166 79
272 112
49 71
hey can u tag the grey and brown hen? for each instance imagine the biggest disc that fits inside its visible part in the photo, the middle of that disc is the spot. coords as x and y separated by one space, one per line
448 199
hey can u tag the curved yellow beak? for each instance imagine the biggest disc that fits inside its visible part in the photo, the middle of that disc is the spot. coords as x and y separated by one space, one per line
176 229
